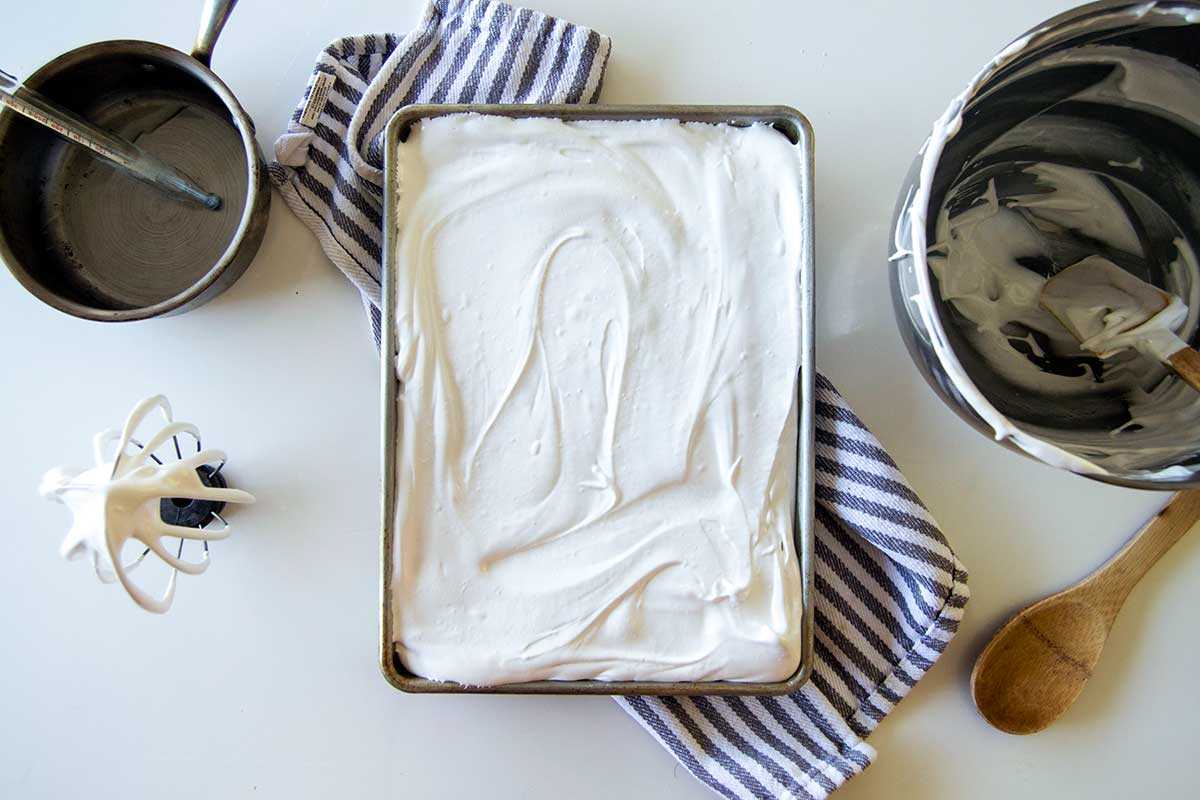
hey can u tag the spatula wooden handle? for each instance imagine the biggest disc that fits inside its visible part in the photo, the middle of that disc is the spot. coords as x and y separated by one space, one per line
1110 584
1186 363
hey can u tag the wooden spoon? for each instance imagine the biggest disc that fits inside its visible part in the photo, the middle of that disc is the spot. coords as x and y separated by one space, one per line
1036 665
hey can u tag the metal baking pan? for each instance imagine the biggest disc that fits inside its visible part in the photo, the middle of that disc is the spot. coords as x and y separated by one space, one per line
790 123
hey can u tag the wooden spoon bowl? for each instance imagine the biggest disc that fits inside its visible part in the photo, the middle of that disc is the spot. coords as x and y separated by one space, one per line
1037 664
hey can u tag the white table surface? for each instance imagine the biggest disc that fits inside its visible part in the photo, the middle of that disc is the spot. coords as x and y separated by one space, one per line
262 680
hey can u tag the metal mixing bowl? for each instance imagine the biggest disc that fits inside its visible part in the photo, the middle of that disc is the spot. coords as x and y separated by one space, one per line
1008 94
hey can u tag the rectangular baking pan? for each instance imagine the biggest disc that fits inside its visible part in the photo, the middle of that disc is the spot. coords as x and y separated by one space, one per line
791 124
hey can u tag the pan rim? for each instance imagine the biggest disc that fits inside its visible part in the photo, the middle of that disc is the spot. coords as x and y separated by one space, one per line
389 662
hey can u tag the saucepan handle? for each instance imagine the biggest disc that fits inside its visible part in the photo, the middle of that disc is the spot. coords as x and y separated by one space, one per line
213 16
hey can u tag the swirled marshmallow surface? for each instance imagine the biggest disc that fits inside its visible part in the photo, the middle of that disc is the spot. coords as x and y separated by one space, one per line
598 328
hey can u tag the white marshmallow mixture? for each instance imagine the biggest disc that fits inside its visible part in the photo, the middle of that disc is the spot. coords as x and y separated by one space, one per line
598 328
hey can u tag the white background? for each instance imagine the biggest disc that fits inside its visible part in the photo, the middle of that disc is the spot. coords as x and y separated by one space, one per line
262 681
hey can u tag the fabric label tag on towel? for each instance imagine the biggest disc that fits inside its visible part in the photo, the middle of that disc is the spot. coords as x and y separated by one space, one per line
322 83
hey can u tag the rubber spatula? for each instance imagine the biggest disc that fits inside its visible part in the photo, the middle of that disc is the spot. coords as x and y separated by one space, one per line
1110 310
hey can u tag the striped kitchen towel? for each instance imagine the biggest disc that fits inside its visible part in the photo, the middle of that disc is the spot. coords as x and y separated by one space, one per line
889 596
889 591
329 164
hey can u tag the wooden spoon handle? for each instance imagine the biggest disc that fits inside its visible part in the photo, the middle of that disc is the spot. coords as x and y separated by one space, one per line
1110 584
1186 363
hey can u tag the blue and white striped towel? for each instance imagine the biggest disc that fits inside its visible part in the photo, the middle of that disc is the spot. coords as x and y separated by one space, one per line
889 591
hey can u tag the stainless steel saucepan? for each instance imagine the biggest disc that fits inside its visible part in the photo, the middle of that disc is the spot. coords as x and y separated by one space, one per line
93 242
